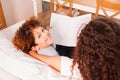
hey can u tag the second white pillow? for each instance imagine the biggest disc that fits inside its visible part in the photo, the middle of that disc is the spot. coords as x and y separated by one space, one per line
65 29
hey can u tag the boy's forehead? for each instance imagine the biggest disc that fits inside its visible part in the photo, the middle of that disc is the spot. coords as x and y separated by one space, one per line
37 29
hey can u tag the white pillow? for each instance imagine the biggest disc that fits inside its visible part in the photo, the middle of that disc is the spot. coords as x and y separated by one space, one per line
65 29
9 32
1 35
4 75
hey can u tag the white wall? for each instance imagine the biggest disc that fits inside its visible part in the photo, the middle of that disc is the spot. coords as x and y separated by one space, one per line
17 10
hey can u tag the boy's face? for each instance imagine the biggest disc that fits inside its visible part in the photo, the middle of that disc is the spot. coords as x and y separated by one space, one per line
43 38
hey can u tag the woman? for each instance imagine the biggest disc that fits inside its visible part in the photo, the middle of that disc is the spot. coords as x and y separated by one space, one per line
32 35
97 55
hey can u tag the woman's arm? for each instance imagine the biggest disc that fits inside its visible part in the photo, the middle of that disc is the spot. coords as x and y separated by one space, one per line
53 61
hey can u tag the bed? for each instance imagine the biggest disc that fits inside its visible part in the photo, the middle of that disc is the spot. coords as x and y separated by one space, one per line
16 65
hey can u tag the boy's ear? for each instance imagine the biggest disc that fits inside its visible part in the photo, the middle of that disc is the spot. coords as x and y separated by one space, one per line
35 47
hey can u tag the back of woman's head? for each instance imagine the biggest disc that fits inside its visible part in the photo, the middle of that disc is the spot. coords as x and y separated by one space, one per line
98 50
24 38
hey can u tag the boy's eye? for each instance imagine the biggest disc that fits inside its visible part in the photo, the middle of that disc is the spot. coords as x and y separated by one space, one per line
43 30
39 36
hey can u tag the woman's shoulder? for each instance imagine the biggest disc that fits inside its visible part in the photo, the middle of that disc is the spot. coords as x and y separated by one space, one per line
66 59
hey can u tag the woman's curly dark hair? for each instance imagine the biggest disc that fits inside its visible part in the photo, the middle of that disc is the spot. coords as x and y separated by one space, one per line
24 38
98 50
